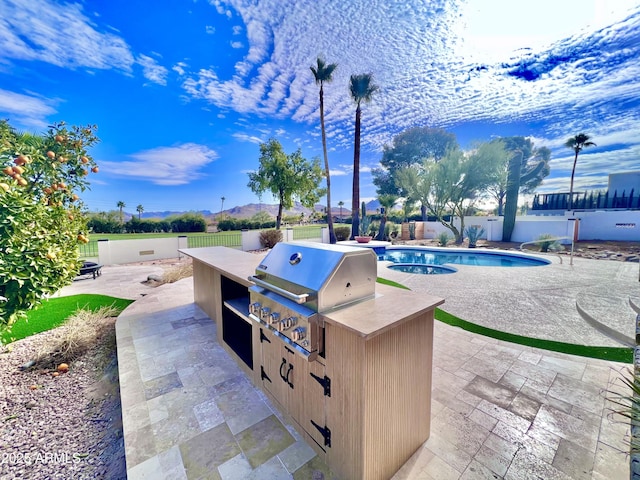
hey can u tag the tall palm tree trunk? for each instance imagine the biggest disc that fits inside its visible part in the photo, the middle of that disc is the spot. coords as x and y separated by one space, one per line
355 197
573 172
332 235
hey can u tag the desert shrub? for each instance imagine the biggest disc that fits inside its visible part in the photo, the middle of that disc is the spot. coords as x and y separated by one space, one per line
390 230
189 222
548 243
178 272
342 233
443 239
268 238
78 334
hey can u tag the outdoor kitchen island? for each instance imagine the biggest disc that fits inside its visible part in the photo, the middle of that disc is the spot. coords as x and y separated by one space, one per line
363 399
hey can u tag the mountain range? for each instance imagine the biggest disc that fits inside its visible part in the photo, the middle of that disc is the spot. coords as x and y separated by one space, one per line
249 210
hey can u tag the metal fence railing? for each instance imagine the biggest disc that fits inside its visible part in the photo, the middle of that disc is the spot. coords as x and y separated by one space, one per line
88 250
313 232
221 239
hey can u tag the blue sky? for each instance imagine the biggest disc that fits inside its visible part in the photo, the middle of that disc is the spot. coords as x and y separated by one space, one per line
184 91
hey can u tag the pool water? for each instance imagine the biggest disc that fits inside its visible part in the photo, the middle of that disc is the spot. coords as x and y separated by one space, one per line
422 269
482 258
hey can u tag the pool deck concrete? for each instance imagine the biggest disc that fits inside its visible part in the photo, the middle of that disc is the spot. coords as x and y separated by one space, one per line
499 410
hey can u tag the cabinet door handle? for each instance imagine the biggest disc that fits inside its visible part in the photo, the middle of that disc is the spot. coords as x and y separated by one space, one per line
289 373
282 366
263 337
263 375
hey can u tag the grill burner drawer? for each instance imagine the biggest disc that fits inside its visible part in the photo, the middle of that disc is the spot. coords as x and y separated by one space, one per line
295 324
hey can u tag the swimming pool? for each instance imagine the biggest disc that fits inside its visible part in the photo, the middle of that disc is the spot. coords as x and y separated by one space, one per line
458 256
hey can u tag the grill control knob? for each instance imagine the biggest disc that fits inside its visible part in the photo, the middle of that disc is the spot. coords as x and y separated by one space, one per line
264 313
298 334
287 323
255 308
274 318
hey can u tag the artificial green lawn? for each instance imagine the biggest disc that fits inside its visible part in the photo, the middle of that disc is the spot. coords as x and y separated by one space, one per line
53 312
612 354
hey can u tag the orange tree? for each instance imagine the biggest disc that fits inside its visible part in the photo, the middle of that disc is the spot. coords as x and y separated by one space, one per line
41 216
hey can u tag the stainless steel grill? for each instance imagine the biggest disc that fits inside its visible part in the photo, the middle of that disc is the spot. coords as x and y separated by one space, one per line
297 281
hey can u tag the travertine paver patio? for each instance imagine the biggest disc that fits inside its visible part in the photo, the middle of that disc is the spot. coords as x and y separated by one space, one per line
499 410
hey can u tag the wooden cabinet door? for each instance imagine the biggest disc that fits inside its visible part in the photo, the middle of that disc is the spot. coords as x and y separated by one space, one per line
272 366
313 413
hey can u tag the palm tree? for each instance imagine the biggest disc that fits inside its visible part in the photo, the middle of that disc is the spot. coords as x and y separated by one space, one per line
121 205
139 209
324 73
577 143
341 204
362 89
222 199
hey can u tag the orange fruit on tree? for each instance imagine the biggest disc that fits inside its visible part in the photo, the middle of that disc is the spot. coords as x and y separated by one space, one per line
51 154
84 159
17 170
95 169
8 170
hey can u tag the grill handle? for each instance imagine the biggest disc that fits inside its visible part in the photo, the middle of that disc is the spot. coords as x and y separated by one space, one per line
299 299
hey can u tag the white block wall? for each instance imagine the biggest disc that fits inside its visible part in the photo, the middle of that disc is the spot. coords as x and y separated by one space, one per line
129 251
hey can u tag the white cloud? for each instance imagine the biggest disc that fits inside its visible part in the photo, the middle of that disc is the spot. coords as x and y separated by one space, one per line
210 29
237 44
26 110
177 165
237 29
180 68
248 138
152 70
425 57
59 34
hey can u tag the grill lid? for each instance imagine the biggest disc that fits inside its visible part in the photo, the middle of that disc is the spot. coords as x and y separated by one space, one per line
337 274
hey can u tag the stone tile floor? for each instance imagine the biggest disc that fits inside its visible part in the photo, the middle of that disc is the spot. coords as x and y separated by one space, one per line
499 410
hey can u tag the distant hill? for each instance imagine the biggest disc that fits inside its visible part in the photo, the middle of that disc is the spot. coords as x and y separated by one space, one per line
165 214
249 210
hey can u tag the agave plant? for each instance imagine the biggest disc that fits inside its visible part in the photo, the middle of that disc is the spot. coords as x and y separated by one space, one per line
474 233
627 405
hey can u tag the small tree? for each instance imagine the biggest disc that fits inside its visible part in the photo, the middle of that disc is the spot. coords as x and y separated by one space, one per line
287 177
577 144
139 209
41 216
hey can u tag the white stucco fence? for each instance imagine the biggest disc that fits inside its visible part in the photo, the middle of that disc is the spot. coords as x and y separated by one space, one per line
621 225
616 225
130 251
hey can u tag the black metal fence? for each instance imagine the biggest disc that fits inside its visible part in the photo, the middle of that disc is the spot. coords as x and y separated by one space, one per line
587 201
220 239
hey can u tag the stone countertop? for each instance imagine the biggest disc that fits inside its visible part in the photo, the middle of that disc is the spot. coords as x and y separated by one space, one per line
390 307
235 264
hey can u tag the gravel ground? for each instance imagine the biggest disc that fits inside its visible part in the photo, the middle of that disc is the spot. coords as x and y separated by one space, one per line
61 427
